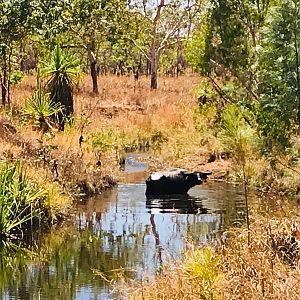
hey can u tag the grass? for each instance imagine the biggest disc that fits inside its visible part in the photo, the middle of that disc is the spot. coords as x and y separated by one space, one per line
267 268
126 116
168 124
21 203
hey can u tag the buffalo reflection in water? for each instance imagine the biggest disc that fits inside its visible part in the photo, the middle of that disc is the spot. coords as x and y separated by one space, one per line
179 204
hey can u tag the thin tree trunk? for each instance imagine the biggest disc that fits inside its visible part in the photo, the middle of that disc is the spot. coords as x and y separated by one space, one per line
8 81
154 52
297 74
92 59
153 79
245 182
94 77
3 84
154 65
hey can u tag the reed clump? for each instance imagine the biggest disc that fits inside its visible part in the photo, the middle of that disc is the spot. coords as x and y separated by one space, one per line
22 203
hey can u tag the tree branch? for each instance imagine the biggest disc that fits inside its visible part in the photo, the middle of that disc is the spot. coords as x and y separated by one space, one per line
140 48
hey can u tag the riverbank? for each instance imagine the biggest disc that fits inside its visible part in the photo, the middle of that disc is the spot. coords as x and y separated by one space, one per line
124 117
169 126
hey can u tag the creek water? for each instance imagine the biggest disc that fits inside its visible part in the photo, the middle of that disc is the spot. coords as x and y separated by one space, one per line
120 231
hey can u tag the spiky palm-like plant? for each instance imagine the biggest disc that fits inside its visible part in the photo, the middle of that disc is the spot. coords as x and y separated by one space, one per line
63 72
40 109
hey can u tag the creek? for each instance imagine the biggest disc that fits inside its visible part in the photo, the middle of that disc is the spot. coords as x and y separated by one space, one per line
120 231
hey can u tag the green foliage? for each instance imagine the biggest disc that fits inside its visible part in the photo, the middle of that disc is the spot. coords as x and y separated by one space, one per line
63 67
21 202
195 48
107 140
234 91
103 140
280 74
205 88
203 264
39 109
13 258
238 136
16 77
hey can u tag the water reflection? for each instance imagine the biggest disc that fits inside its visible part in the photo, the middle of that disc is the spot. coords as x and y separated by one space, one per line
183 204
123 229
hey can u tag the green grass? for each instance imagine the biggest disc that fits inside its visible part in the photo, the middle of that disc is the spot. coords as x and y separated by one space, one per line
21 202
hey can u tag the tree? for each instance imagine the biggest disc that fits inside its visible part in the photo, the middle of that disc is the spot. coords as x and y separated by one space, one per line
94 22
164 20
228 38
280 72
15 24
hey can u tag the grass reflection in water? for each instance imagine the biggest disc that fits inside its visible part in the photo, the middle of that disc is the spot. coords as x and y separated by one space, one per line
67 263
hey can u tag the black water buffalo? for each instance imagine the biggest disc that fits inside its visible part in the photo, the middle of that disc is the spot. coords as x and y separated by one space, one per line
176 181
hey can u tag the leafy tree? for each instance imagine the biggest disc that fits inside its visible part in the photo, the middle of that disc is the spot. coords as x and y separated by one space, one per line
280 71
39 109
168 23
95 22
15 24
228 38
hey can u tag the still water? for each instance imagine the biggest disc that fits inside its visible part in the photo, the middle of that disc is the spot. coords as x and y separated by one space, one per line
120 230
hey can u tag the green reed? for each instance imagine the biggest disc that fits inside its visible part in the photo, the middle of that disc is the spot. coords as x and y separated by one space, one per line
21 202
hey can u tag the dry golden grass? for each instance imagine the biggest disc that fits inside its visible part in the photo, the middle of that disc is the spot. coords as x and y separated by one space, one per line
128 113
126 106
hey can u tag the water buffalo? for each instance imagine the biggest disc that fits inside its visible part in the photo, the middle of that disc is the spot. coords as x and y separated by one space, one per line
27 65
175 181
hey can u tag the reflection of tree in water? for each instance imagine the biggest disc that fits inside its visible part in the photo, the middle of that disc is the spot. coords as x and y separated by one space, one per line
157 242
64 265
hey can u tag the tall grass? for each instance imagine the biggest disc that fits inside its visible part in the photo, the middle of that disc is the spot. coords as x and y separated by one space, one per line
240 139
196 277
21 202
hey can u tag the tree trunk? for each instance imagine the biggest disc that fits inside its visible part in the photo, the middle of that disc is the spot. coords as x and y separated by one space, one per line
153 78
297 74
154 66
8 77
4 85
93 61
94 77
3 88
148 67
4 77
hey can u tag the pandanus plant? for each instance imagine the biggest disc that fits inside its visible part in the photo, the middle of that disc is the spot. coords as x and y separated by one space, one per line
41 110
62 72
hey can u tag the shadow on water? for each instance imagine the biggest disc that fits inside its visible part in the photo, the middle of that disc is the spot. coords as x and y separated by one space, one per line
122 229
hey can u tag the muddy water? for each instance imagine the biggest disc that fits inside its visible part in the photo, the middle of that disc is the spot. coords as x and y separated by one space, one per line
121 230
